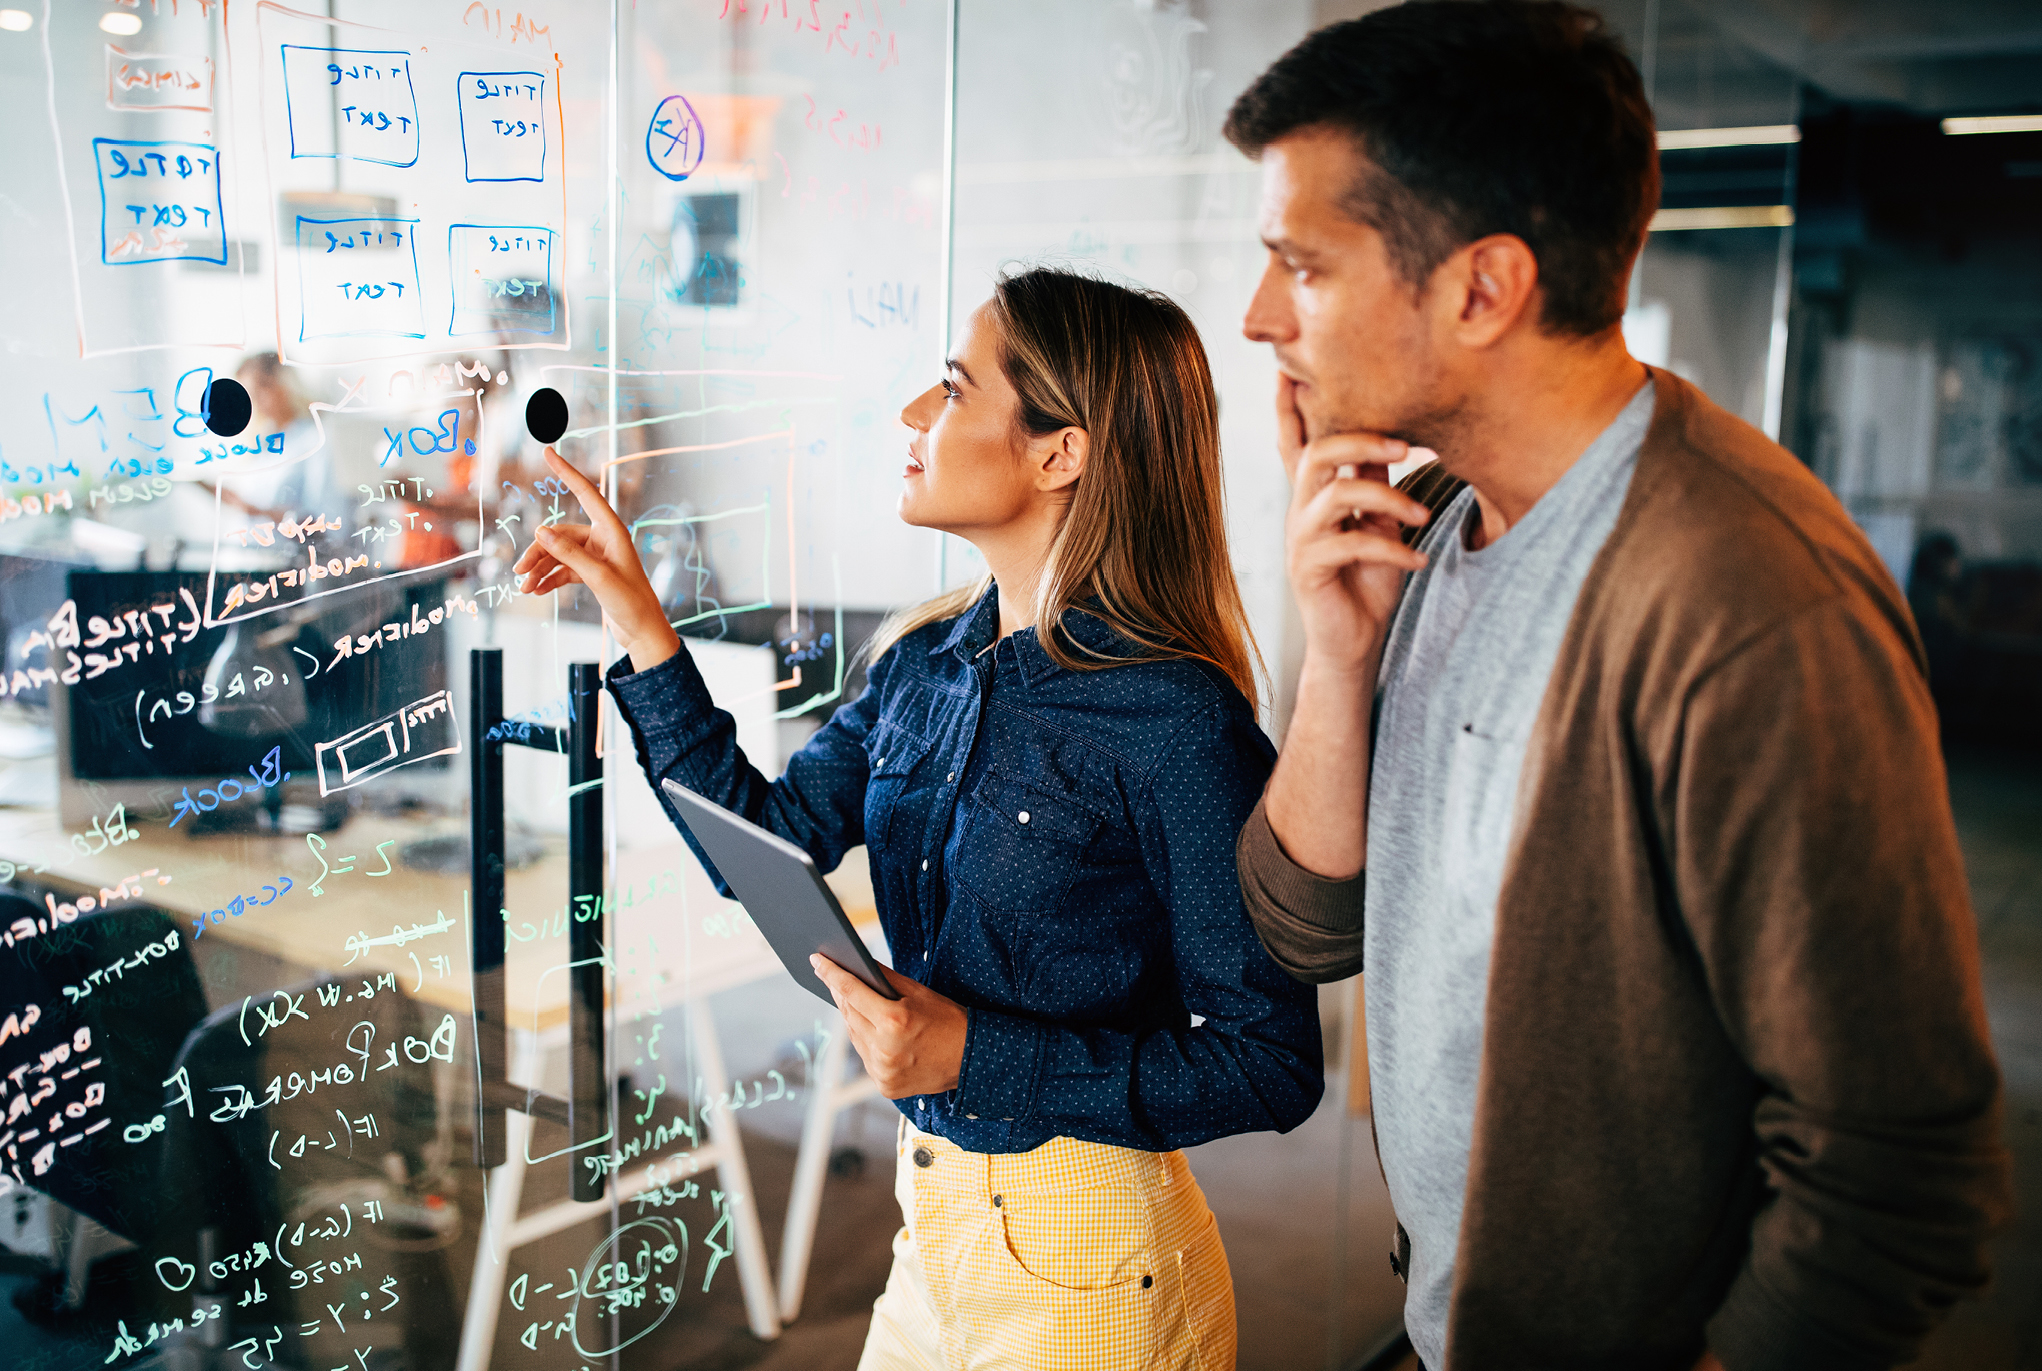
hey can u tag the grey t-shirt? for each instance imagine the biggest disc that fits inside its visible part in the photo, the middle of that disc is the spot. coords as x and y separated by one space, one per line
1464 669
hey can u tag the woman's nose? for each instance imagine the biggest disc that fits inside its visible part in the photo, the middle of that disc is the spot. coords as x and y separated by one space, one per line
916 414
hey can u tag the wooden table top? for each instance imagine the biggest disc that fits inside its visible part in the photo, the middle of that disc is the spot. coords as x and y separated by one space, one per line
670 935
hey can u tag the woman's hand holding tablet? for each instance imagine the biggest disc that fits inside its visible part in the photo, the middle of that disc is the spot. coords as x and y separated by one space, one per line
910 1046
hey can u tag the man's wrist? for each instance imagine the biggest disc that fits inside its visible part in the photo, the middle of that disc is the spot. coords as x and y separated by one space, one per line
1343 667
1313 803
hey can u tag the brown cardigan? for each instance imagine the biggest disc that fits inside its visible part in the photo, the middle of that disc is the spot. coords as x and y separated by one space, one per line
1736 1080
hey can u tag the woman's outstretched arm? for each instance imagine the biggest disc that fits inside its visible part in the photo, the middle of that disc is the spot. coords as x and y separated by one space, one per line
680 734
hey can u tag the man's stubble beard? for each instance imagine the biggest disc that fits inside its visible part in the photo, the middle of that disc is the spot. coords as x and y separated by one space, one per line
1431 413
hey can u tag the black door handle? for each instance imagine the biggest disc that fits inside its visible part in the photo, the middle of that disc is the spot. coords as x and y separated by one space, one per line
586 1109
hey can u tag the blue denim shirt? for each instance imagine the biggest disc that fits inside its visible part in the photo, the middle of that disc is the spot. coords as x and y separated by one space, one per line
1052 849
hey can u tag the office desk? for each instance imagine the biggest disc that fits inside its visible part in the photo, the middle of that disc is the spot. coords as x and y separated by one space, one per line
704 943
672 939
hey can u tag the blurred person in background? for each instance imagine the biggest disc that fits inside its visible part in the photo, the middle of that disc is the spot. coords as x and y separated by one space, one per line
1932 584
430 518
300 480
1613 767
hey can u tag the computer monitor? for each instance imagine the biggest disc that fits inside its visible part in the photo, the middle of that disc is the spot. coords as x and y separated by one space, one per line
135 731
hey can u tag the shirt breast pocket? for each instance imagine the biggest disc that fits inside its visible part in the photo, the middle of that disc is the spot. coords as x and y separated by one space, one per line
894 754
1022 846
1483 771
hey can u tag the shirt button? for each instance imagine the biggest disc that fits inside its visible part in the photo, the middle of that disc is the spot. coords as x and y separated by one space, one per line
925 956
951 777
924 1157
1022 816
925 863
881 762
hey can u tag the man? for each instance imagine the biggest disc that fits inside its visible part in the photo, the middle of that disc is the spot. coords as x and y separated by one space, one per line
1627 802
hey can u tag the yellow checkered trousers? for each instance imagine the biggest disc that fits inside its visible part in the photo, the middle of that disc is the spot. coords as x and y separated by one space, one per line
1075 1255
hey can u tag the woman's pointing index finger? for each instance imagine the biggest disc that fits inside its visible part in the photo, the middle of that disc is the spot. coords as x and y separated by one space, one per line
585 492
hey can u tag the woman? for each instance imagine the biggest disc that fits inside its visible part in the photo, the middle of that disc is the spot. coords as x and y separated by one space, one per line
1049 771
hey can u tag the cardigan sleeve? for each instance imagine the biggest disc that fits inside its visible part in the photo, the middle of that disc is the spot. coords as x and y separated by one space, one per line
1310 925
1816 864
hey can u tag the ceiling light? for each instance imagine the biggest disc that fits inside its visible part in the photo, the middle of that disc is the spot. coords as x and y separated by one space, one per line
1996 123
1724 217
16 21
1749 136
113 21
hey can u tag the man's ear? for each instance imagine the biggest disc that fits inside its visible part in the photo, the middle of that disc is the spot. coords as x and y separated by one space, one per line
1059 458
1487 289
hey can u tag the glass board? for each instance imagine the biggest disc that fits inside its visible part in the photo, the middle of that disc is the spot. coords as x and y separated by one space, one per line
279 1102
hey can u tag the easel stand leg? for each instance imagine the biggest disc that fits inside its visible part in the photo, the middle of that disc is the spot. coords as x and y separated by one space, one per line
506 1190
811 1167
749 1240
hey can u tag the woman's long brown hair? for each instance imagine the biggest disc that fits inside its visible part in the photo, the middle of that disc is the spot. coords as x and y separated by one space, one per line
1145 534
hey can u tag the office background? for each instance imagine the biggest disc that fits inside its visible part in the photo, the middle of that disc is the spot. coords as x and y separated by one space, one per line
737 251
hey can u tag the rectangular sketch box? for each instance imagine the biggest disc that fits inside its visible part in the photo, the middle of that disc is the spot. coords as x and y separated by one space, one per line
422 729
502 276
503 125
159 201
358 278
368 93
157 80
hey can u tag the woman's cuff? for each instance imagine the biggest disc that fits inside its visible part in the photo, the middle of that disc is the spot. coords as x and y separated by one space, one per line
661 700
1002 1063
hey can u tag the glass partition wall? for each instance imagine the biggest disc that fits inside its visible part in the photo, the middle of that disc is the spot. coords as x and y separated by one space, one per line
361 1006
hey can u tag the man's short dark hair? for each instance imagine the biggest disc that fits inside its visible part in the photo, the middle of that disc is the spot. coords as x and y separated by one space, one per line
1481 116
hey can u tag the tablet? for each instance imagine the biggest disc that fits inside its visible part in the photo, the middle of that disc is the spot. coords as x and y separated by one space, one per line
778 885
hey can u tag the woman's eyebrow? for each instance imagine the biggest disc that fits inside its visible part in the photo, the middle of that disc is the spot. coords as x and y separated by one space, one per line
954 365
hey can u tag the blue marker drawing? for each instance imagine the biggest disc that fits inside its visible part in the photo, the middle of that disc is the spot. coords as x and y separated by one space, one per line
674 139
158 202
503 279
358 278
370 93
503 125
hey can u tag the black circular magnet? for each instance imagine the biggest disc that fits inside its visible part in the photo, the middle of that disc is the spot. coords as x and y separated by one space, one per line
546 415
226 406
